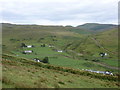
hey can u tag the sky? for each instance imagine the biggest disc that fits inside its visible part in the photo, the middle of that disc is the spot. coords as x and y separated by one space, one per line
59 12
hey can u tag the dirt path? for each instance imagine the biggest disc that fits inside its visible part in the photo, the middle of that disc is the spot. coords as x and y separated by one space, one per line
99 45
108 66
99 63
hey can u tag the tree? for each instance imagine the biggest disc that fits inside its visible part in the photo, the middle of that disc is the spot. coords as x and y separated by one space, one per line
23 45
43 45
45 60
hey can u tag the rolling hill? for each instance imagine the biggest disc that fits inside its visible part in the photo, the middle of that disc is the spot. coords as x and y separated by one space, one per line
92 45
25 73
80 50
96 26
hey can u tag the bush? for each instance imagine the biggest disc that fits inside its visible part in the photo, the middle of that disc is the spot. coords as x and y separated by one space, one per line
23 45
61 82
45 60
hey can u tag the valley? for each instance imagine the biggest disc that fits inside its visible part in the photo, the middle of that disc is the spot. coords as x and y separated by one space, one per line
65 47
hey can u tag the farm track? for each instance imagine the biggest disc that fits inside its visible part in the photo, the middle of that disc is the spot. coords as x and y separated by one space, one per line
108 66
84 40
99 45
101 64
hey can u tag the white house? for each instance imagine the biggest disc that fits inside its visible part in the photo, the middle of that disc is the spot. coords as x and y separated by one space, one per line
105 54
50 46
29 46
59 51
37 60
29 51
108 73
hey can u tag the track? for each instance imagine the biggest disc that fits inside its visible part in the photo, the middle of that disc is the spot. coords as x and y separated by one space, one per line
99 45
108 66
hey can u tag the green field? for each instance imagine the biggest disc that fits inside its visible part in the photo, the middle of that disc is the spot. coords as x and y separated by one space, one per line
57 58
25 73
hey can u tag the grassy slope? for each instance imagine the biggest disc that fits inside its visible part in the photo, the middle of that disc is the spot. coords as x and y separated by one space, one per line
109 39
96 26
23 73
31 34
13 36
91 46
58 59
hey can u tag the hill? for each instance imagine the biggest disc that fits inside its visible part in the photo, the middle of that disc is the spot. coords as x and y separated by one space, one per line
25 73
92 45
80 50
59 35
96 26
75 45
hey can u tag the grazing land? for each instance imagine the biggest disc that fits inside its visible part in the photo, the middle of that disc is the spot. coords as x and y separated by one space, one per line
69 50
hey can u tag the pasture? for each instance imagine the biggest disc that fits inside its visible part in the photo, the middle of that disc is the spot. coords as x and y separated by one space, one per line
25 73
58 58
80 50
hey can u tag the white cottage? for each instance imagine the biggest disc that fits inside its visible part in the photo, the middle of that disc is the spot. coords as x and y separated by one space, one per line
29 46
59 51
28 51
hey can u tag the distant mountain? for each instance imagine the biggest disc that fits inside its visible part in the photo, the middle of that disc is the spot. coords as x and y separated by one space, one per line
96 26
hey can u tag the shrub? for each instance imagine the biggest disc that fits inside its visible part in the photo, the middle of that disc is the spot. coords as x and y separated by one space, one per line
23 45
45 60
70 81
60 82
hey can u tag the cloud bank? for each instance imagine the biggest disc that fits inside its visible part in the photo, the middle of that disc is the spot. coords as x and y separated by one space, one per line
59 12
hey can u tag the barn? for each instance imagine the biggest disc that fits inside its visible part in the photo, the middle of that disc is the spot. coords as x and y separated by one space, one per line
27 52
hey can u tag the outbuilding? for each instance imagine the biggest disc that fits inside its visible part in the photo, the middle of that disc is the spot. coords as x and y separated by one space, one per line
27 52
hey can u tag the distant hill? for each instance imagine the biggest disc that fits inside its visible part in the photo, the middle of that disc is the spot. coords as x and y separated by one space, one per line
96 26
105 41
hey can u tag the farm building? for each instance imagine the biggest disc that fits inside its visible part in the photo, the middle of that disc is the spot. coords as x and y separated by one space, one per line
50 46
27 52
103 54
101 72
45 60
29 46
24 45
37 60
59 51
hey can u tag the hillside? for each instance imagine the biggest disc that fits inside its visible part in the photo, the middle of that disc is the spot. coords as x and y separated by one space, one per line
96 26
65 47
75 46
25 73
107 39
91 46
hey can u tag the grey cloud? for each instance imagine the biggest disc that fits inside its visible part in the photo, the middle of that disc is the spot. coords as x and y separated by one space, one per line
62 12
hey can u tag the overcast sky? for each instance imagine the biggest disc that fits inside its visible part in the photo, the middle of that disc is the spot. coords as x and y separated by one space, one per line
59 12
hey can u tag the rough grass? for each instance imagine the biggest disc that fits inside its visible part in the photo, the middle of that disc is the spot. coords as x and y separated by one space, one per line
14 35
19 73
58 59
65 38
